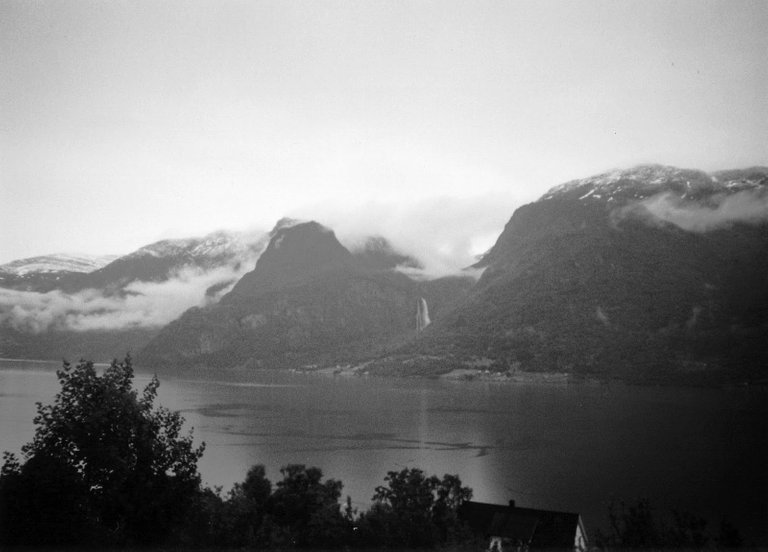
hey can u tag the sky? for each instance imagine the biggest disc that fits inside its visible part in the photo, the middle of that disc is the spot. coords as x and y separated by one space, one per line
122 123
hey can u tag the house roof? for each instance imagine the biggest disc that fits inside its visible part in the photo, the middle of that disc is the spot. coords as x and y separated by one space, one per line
538 528
513 525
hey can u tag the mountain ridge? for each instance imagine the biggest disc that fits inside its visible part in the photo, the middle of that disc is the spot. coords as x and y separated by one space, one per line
57 262
651 273
597 284
308 301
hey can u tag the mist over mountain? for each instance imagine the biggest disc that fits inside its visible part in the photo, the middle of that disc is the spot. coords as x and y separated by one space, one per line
599 278
117 307
46 312
652 273
308 301
377 253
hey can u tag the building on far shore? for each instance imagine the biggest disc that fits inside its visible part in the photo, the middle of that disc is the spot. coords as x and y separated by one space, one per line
510 528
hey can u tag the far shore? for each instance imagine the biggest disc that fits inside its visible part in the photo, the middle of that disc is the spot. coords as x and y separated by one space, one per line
457 375
467 374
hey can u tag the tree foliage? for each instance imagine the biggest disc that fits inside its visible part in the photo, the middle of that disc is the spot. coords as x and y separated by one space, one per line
416 510
305 510
638 525
126 461
302 510
248 505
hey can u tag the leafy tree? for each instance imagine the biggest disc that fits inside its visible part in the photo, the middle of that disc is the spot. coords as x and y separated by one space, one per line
304 510
634 526
638 526
450 495
42 502
125 460
415 510
205 523
246 508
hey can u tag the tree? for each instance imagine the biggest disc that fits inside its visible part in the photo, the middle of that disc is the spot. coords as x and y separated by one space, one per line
246 508
639 526
124 456
415 510
305 510
450 495
42 502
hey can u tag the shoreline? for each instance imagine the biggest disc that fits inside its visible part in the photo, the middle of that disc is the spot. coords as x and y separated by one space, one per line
458 375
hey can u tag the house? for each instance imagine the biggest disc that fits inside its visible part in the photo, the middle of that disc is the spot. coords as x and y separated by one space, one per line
511 528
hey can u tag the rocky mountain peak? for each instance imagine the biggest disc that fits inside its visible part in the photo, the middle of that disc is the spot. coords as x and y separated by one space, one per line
294 254
285 222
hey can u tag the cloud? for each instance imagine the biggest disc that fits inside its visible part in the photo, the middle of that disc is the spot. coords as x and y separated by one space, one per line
721 211
445 234
144 304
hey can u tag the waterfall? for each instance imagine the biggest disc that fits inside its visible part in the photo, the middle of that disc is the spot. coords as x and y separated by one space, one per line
422 314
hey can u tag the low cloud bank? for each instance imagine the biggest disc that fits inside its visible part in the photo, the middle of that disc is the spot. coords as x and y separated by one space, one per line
745 207
446 235
144 304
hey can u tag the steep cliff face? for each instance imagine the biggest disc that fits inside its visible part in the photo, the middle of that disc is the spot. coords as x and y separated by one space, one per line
308 301
650 273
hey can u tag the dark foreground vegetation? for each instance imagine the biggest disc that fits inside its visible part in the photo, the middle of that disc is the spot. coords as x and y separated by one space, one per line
638 526
109 468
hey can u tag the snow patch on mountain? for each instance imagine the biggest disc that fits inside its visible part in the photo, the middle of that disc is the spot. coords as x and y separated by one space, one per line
646 181
215 247
198 271
58 262
637 182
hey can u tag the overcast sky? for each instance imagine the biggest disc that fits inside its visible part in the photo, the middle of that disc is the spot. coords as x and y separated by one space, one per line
126 122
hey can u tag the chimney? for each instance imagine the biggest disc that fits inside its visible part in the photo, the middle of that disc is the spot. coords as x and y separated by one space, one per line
511 503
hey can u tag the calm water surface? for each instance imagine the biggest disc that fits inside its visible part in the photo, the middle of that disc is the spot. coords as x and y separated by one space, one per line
569 447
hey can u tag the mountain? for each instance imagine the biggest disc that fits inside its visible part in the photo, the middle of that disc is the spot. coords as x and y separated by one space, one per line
56 344
653 273
50 310
163 260
308 301
156 262
46 271
56 263
377 253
